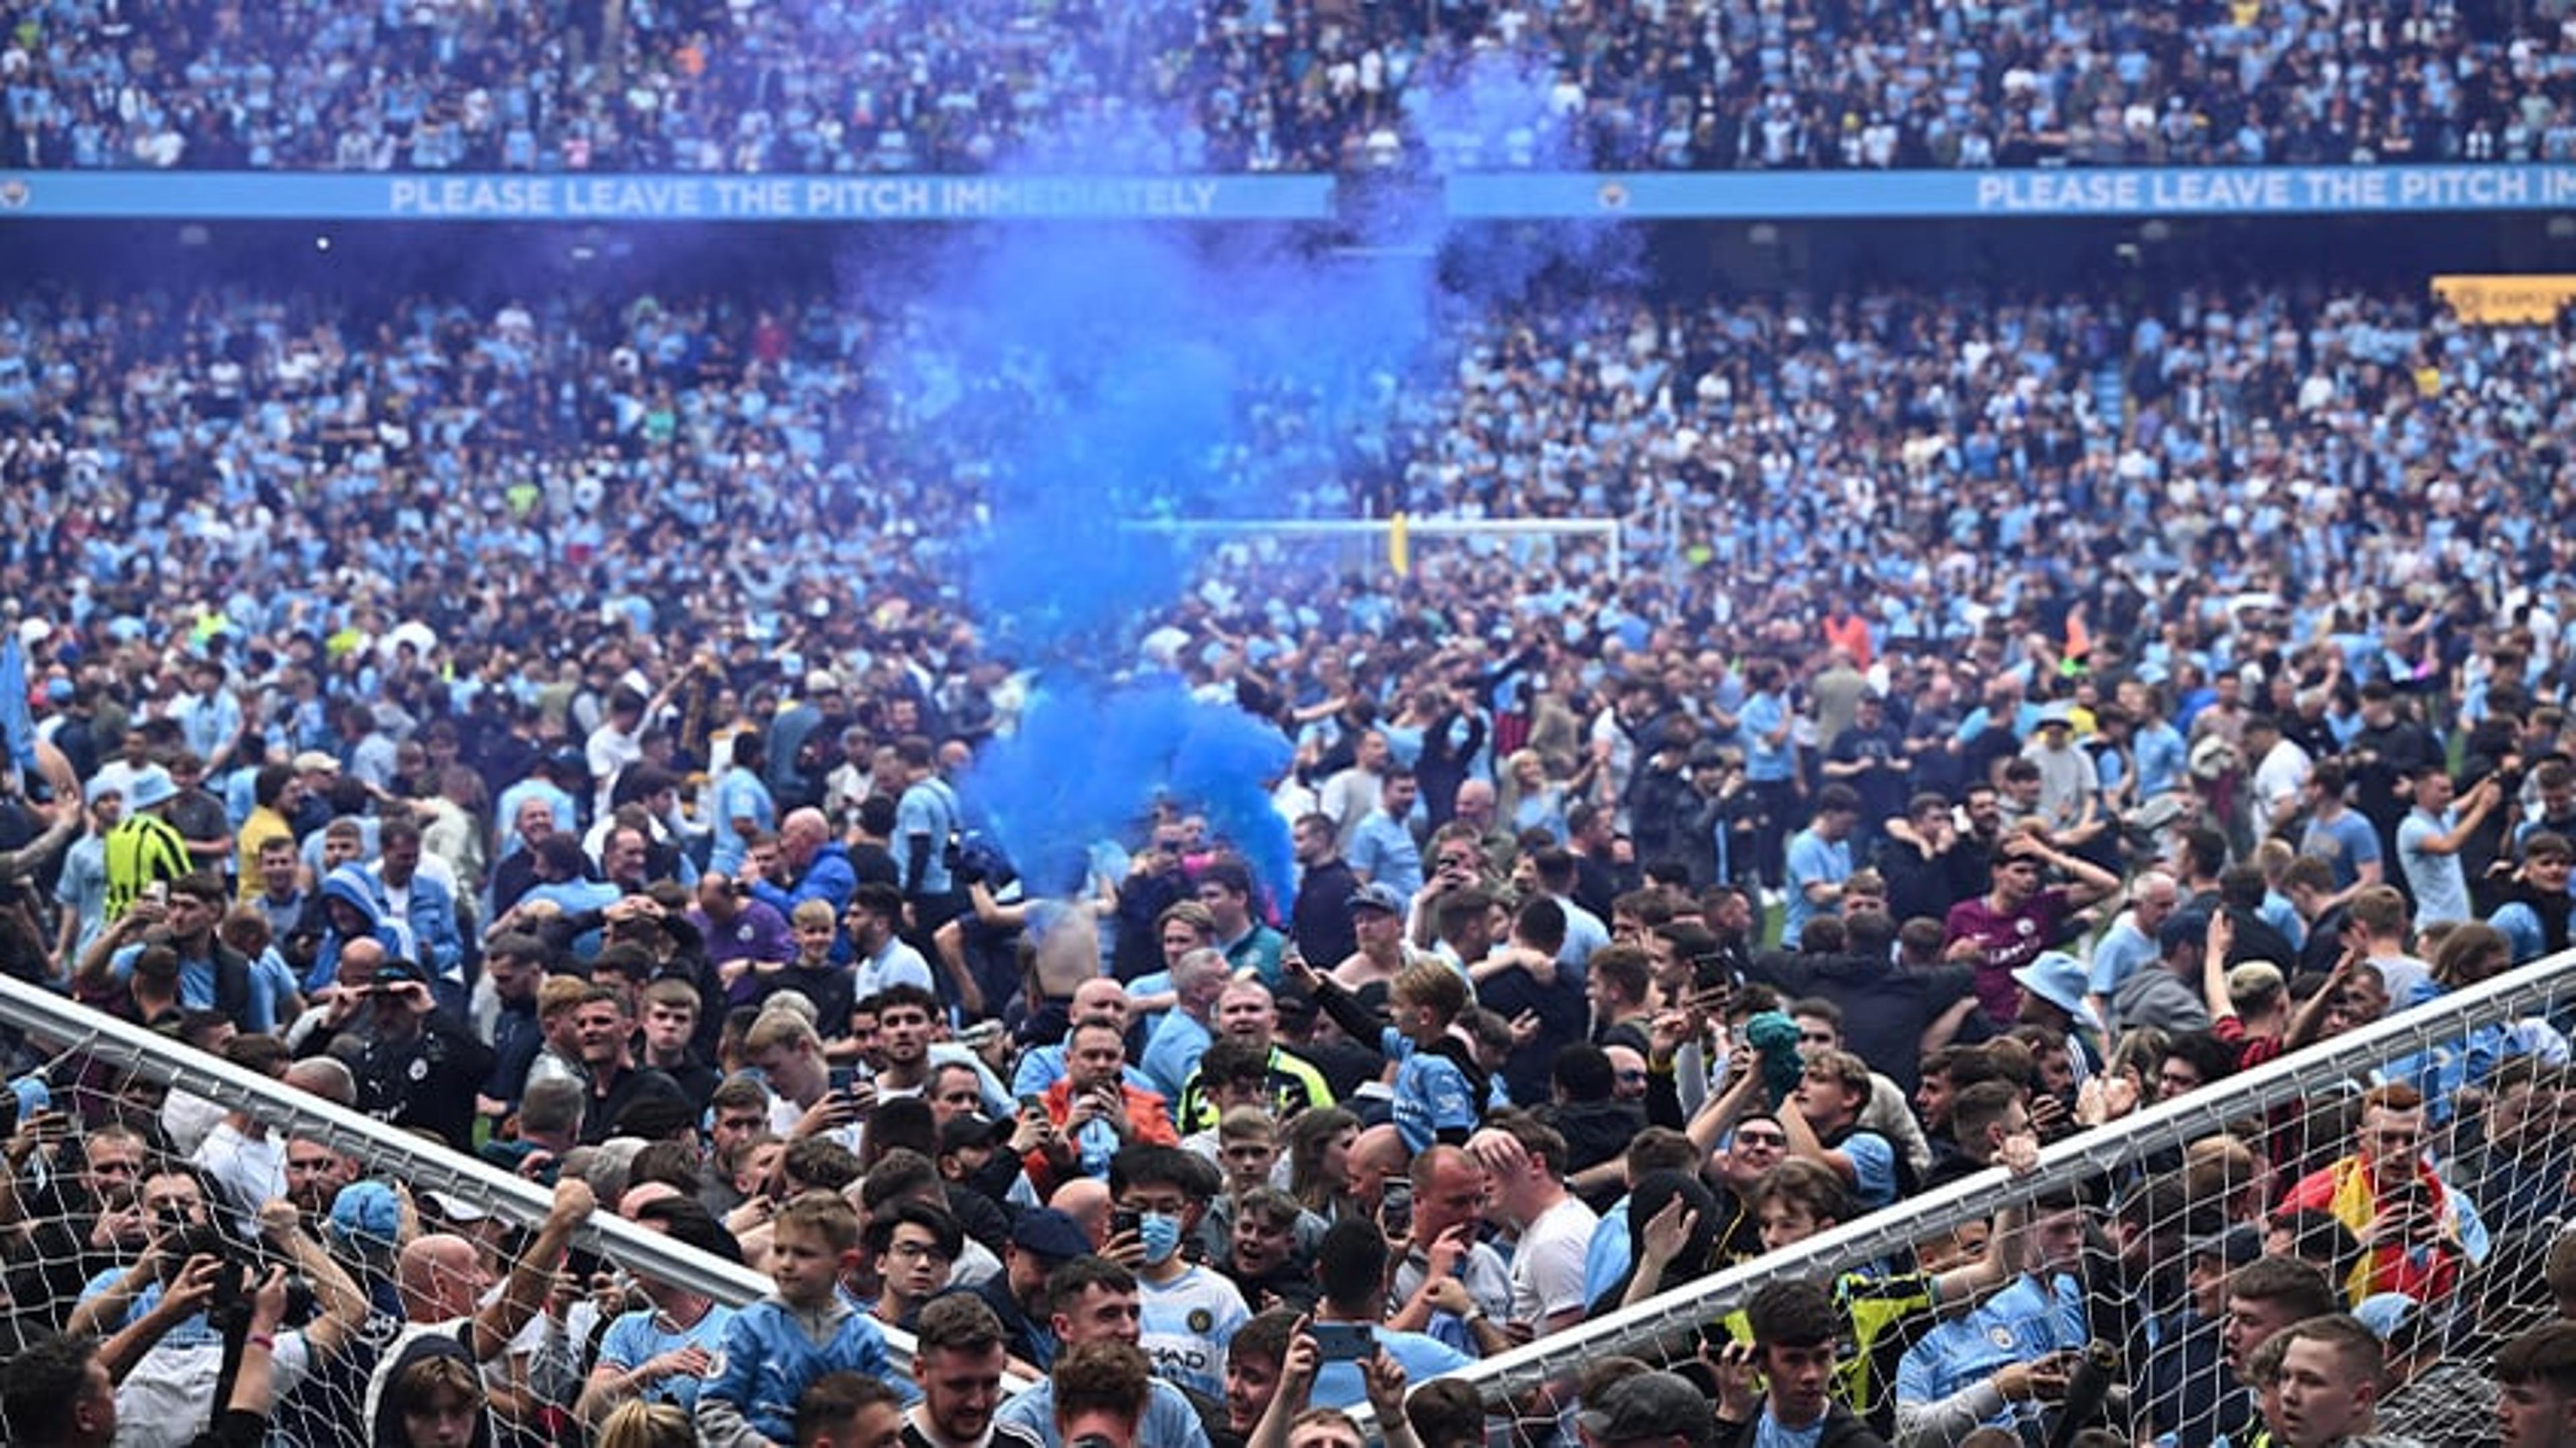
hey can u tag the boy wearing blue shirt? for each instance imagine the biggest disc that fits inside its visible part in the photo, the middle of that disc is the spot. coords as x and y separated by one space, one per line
779 1345
1440 1089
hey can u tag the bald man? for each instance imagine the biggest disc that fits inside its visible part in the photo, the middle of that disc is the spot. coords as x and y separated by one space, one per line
340 1007
1248 1013
441 1277
1042 1066
1086 1200
1377 1157
811 866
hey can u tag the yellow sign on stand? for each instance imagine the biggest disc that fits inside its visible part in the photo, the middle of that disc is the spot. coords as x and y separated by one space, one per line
2506 300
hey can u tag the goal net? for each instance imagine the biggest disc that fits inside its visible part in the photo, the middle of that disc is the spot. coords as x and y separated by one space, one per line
2134 1231
83 1207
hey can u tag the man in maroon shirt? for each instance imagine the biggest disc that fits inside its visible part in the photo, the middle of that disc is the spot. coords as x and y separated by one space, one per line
2008 926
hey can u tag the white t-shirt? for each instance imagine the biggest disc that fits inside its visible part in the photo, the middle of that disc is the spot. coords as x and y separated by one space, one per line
251 1172
1187 1324
170 1395
2281 776
897 962
1547 1267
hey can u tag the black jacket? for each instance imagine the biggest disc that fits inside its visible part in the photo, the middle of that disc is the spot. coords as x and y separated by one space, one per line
1320 921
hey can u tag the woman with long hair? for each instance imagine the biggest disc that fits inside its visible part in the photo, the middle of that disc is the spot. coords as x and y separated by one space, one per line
1319 1156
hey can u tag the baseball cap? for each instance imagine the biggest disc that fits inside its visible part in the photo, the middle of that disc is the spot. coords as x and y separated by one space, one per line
2183 927
2238 1245
366 1214
2386 1313
1050 1234
822 681
455 1208
1650 1405
1378 896
400 972
314 761
973 1128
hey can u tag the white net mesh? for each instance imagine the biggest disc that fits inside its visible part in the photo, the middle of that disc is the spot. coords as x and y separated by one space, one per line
145 1155
2136 1234
2434 1224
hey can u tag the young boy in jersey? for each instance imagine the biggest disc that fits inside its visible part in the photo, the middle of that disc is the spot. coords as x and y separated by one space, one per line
1441 1089
779 1345
1796 1330
1878 1313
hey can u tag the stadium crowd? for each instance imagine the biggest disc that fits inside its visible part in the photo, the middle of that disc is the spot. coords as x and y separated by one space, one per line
704 935
2011 713
883 85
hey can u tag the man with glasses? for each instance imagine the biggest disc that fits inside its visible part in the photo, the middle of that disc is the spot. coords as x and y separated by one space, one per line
1190 1312
1758 1143
913 1246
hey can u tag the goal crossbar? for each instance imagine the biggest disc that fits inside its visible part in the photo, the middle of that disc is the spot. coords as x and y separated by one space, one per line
1607 530
1669 1318
60 1025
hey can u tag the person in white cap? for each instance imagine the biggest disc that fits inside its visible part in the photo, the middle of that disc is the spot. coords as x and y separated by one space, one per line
2052 998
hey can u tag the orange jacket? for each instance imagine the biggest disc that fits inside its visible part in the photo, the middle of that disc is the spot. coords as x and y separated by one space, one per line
1149 1120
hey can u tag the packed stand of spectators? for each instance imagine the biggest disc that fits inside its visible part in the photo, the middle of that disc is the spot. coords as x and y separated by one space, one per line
1635 930
1275 85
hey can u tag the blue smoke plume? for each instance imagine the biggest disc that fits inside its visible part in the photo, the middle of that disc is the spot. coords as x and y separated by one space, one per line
1119 373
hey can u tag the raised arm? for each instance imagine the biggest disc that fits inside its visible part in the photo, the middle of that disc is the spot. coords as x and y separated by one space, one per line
524 1295
343 1305
187 1296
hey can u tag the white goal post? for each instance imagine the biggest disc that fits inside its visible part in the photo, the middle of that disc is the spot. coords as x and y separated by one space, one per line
1603 530
59 1027
1662 1329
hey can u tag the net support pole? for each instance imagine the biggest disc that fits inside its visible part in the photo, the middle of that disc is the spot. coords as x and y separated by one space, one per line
59 1025
2088 1154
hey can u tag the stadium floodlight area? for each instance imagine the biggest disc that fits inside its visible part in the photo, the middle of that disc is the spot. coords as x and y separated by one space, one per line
1402 543
59 1028
2428 1043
